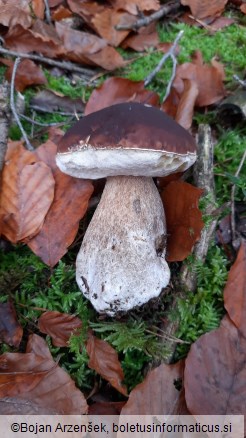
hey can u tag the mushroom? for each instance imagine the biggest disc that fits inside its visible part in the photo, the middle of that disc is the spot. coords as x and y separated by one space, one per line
121 263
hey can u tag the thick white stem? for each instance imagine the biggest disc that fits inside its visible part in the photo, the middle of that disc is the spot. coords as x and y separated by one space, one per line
121 263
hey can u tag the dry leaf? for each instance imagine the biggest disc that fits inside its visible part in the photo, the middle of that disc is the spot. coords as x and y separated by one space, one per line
59 326
185 110
158 393
104 360
38 7
117 90
104 24
184 219
50 101
28 73
209 80
235 290
215 373
206 8
141 41
13 13
10 330
35 377
133 7
62 221
27 193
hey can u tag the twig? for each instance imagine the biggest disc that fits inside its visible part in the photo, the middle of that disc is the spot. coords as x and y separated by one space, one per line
4 120
168 54
164 10
65 65
12 105
240 81
203 178
168 89
235 242
34 122
47 12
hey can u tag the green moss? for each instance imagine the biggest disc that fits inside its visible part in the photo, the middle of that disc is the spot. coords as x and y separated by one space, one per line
202 311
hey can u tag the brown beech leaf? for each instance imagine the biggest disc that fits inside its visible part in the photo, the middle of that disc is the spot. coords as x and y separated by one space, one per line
116 90
25 40
62 221
158 393
209 80
13 13
38 7
28 73
141 41
104 24
235 290
133 7
34 376
104 360
184 219
215 372
205 8
243 8
185 110
50 101
59 326
60 13
27 193
10 330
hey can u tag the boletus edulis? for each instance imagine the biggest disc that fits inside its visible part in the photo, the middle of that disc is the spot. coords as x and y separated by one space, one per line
121 263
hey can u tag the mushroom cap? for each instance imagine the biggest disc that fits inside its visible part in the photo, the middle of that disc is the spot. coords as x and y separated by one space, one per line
125 139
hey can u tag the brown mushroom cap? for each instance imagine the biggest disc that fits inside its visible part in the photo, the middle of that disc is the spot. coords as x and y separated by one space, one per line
125 139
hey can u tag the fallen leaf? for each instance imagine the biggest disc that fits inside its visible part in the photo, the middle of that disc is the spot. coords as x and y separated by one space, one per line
26 196
206 8
104 360
183 217
243 8
50 101
38 7
13 13
133 7
235 290
62 220
25 40
221 23
60 13
185 109
35 377
59 326
141 41
209 80
117 90
104 23
28 73
215 372
10 330
158 393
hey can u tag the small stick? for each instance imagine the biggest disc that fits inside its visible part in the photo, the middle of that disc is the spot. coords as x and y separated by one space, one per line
34 122
4 120
164 10
168 89
233 189
168 54
47 12
203 178
12 105
240 81
65 65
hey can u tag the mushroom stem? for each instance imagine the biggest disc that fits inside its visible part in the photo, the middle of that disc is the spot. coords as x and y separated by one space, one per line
121 263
